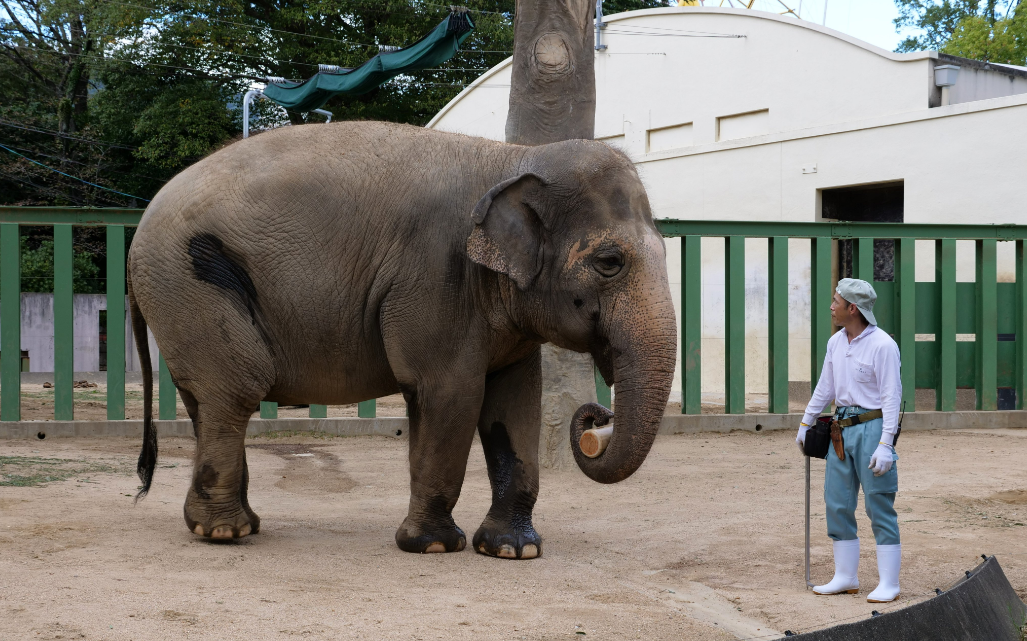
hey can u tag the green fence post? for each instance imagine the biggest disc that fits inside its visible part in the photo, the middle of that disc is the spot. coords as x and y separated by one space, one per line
167 409
367 409
1021 326
691 325
603 394
945 282
734 325
318 411
10 322
63 324
115 322
986 352
820 300
268 409
777 356
863 259
905 291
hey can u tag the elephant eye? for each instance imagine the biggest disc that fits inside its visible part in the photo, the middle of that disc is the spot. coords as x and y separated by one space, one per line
608 263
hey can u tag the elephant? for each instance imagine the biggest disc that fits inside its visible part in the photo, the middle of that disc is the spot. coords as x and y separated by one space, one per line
336 263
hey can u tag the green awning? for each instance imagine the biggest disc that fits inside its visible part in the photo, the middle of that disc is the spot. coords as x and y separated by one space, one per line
437 47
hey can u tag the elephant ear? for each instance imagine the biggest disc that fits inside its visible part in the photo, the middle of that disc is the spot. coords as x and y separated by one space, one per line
508 232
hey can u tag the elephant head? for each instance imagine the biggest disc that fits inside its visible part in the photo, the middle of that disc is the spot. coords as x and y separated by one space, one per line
574 233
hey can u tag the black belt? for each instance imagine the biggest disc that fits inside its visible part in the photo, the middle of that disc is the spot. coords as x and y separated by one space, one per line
860 418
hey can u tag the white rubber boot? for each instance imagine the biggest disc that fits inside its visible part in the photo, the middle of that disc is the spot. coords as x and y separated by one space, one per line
889 560
846 566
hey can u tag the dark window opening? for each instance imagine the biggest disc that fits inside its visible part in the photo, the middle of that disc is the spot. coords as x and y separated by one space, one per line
877 203
103 340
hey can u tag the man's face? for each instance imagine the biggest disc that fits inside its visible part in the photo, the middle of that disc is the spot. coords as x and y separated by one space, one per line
842 311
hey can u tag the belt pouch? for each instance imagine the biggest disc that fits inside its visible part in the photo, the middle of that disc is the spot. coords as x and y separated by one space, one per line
818 438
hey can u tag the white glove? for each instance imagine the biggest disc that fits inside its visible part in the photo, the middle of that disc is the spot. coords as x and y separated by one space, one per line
800 438
882 459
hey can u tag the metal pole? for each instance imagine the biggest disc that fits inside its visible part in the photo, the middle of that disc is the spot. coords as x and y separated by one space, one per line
247 99
809 584
600 25
825 13
326 114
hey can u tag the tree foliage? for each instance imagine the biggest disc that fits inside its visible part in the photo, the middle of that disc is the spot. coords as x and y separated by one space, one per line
125 94
989 30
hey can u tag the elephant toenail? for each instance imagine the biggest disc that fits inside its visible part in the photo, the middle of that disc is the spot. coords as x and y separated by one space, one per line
530 551
481 548
222 532
198 530
245 529
461 544
507 552
435 547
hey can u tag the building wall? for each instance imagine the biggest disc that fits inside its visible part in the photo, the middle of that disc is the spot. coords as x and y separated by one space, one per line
37 338
838 112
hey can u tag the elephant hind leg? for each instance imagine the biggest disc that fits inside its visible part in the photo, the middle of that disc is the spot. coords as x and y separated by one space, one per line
216 505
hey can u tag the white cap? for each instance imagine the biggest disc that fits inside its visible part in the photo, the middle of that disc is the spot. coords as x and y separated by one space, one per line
861 294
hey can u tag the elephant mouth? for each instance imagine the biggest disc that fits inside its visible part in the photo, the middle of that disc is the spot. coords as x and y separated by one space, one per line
603 356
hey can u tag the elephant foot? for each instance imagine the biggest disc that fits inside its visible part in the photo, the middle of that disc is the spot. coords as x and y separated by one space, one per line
508 542
420 540
221 524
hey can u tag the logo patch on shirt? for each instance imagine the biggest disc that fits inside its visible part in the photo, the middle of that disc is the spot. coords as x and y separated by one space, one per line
863 372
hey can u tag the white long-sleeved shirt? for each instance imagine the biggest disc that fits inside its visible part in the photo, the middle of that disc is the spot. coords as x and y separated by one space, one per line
863 372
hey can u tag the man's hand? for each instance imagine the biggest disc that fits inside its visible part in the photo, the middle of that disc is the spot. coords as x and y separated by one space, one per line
882 459
800 438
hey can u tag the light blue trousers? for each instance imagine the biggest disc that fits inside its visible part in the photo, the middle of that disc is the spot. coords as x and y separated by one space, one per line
843 479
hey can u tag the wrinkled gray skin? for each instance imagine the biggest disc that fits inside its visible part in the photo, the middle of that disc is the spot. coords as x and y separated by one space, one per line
336 263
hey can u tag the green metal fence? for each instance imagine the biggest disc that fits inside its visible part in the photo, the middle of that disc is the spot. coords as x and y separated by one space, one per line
996 313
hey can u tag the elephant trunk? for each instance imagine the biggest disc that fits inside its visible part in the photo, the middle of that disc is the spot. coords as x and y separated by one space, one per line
643 350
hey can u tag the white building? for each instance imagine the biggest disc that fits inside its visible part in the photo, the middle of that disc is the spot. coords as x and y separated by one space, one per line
732 114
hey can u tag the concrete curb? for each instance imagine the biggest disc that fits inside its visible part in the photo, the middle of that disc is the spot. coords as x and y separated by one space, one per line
396 426
693 423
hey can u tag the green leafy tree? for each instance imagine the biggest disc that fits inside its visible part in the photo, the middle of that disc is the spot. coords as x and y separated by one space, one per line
154 86
983 30
1004 41
37 266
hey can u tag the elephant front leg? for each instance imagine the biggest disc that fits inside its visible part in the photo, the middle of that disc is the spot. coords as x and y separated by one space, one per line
441 432
509 428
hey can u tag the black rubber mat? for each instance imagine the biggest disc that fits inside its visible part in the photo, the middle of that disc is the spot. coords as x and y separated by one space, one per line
982 606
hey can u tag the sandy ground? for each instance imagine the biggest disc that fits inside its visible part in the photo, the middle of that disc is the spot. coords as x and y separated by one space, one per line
704 542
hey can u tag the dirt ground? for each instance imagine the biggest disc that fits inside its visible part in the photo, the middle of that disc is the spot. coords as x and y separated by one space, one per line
704 542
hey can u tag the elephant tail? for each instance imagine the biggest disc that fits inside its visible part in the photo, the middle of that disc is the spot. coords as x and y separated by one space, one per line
148 455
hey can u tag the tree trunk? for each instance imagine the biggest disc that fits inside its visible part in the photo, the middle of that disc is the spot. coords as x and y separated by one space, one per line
553 98
553 86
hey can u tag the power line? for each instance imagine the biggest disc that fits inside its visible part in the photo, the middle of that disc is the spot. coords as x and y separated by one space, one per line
46 190
84 164
59 134
73 177
247 26
207 71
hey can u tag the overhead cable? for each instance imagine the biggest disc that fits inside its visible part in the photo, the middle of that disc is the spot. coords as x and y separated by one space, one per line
72 177
59 134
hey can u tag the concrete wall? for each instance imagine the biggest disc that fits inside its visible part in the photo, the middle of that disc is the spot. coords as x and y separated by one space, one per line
37 333
981 80
827 111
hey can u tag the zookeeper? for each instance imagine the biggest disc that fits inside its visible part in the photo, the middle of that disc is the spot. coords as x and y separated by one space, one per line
861 374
